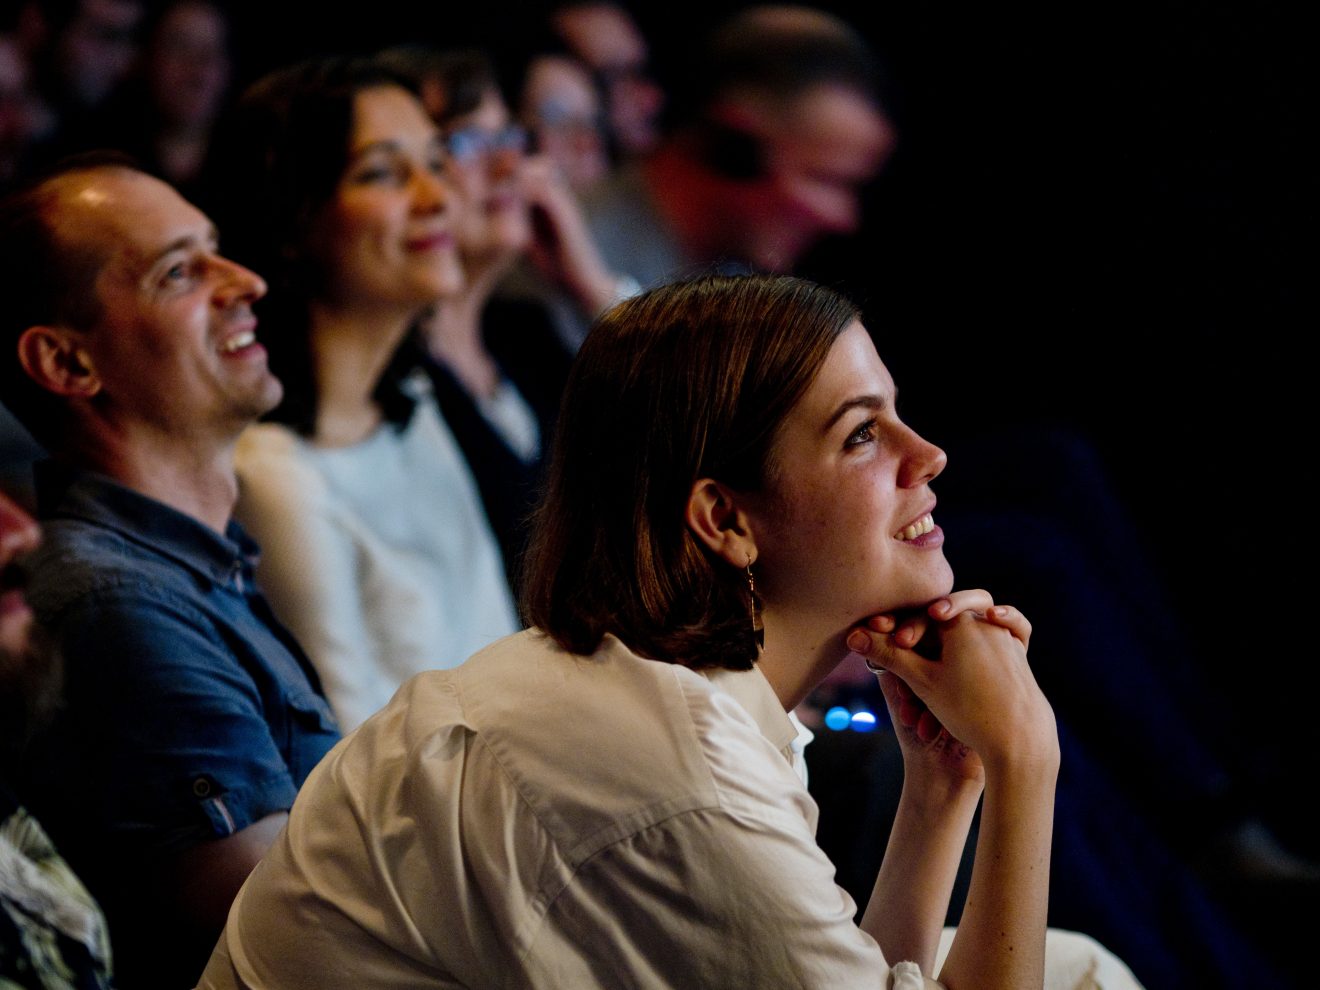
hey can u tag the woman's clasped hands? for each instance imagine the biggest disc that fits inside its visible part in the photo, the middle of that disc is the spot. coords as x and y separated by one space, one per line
958 686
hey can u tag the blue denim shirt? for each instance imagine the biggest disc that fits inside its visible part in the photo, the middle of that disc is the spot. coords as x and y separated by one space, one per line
191 712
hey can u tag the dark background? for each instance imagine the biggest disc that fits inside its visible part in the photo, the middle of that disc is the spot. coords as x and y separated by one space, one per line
1094 216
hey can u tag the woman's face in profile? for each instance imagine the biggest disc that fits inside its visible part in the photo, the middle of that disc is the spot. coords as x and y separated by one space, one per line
844 528
386 238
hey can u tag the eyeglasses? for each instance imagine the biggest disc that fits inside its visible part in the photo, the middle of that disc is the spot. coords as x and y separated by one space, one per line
470 143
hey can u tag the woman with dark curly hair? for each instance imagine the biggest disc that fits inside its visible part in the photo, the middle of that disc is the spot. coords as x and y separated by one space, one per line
376 551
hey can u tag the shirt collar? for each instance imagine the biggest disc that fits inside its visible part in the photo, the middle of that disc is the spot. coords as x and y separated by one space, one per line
751 690
66 492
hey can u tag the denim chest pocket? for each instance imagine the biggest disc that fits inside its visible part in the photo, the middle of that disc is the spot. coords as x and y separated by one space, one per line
312 731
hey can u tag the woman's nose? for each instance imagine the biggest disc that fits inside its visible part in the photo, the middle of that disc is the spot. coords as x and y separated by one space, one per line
922 462
430 192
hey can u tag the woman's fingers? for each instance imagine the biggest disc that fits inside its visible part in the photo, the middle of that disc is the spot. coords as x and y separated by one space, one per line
883 623
905 707
977 685
952 606
1011 619
928 727
883 651
906 633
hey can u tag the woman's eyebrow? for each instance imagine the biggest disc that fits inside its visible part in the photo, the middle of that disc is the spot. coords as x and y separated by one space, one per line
392 146
363 150
876 403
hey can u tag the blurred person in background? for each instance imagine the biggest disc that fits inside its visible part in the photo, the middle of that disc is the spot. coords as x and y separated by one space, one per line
22 118
561 110
778 129
607 40
86 49
166 116
496 364
52 933
377 551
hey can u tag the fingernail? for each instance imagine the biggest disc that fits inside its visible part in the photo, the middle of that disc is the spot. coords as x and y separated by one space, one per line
939 608
858 641
999 611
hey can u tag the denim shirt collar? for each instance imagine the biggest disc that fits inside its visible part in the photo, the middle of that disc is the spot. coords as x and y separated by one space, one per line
67 492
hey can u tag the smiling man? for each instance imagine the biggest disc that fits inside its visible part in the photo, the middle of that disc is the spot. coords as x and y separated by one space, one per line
772 140
191 716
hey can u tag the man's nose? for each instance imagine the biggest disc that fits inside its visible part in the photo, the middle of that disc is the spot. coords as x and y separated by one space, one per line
238 282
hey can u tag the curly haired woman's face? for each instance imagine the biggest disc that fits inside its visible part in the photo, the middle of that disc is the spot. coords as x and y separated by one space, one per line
844 529
387 237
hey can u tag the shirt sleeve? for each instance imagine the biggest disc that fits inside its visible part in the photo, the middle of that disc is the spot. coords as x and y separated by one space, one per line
725 898
170 744
310 573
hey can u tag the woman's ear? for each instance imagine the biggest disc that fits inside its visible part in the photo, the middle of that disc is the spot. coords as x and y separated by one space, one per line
716 517
55 359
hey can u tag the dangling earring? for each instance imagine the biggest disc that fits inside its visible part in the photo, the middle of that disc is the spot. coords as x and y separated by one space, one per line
758 631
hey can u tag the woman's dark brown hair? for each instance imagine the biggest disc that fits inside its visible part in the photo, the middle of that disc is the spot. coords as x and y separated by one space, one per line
276 162
688 381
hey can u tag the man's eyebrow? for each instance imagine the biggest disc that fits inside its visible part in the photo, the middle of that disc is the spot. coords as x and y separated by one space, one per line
210 238
875 403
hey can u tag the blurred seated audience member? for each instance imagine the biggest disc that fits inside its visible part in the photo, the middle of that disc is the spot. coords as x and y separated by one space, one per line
608 41
561 110
52 934
562 252
164 115
18 452
190 716
88 48
778 128
496 363
377 550
21 114
777 132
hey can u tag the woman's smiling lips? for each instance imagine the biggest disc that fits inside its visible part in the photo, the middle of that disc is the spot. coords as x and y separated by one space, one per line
440 240
921 532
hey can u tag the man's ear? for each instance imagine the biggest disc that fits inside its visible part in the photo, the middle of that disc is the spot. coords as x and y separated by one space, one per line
54 357
716 517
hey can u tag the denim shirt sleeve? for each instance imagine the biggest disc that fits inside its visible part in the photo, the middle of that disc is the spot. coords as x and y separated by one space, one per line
175 743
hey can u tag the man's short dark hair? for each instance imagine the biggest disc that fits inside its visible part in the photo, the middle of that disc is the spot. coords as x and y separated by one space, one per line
46 282
779 53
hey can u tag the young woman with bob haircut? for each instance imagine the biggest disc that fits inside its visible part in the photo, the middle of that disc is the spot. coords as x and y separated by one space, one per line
608 799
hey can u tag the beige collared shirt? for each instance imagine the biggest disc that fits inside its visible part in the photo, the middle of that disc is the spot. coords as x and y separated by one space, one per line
538 819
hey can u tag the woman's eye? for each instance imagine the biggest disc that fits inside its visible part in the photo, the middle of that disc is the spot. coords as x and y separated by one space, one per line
380 173
863 434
